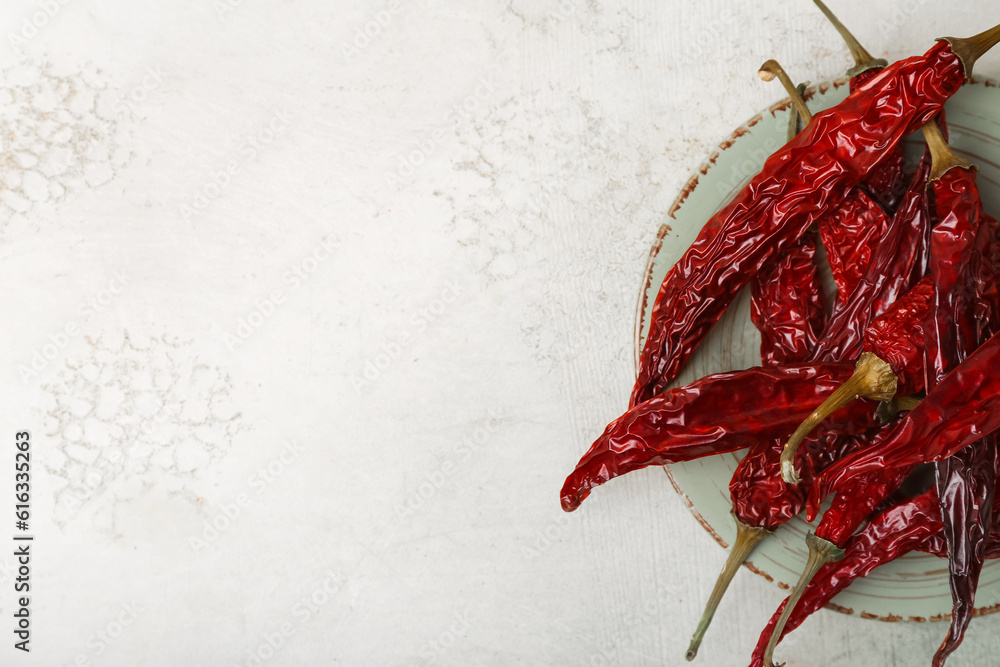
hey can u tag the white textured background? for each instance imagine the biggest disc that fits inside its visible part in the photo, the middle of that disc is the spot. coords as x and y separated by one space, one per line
455 214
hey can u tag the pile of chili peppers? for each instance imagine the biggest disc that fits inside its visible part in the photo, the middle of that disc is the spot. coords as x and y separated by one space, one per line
886 400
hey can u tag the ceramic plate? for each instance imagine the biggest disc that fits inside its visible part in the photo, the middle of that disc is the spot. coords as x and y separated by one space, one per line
914 587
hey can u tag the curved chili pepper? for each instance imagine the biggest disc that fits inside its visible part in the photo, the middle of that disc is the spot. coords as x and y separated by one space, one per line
963 408
892 363
890 535
850 232
966 481
719 413
797 185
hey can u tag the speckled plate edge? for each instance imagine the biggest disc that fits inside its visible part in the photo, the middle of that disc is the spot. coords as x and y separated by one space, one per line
643 305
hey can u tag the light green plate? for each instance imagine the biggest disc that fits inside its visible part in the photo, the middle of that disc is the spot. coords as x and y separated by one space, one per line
915 587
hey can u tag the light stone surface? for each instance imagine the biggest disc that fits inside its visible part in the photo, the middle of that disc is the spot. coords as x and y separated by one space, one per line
361 303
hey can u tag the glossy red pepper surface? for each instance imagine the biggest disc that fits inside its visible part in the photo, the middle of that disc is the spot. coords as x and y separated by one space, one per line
966 481
898 262
761 498
855 501
951 331
963 408
938 545
850 234
797 185
787 306
719 413
886 182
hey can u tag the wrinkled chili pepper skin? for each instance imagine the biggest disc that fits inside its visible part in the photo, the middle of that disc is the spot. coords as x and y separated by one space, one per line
887 180
951 332
897 263
798 184
963 408
938 545
762 466
850 234
966 481
897 337
892 534
786 304
855 501
719 413
761 498
985 271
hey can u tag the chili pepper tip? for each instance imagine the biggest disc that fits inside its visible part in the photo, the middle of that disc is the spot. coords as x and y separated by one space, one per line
873 378
747 539
970 49
863 60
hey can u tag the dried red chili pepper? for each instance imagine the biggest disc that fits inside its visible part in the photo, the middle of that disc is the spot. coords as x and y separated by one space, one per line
966 481
963 408
966 484
892 363
886 181
852 505
719 413
850 232
762 502
890 535
797 185
985 275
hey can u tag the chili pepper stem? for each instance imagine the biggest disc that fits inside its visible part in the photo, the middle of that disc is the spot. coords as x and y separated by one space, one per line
821 552
873 378
771 70
943 158
970 49
793 117
747 539
862 59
